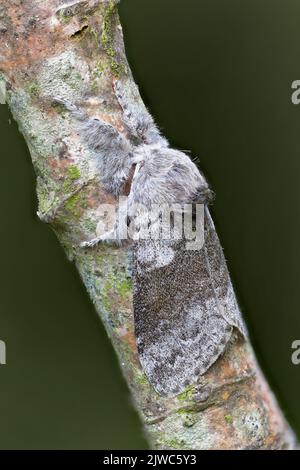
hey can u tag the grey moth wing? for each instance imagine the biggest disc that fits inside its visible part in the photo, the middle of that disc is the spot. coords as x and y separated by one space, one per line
185 309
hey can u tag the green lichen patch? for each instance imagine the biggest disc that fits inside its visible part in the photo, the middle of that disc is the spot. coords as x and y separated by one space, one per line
176 443
63 18
115 289
108 38
96 75
90 225
74 79
73 173
34 90
228 419
124 287
108 27
75 204
186 395
188 420
98 70
141 377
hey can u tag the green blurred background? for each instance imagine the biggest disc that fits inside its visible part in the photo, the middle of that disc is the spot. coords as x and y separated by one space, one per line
217 76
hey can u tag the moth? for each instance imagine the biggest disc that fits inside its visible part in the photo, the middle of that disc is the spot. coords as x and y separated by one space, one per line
185 309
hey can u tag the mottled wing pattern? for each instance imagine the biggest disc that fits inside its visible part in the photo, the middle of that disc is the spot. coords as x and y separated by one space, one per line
185 309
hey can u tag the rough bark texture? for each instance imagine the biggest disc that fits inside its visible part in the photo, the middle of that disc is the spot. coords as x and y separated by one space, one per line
76 52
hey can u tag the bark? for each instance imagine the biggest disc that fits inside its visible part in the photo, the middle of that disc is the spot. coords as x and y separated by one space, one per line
77 51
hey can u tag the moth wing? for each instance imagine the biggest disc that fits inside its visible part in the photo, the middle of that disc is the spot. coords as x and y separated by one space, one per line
184 308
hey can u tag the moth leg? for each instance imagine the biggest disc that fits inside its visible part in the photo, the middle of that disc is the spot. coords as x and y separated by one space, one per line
109 237
97 133
128 114
117 235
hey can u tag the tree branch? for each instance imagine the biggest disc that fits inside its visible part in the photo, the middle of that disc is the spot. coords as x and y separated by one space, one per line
76 51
